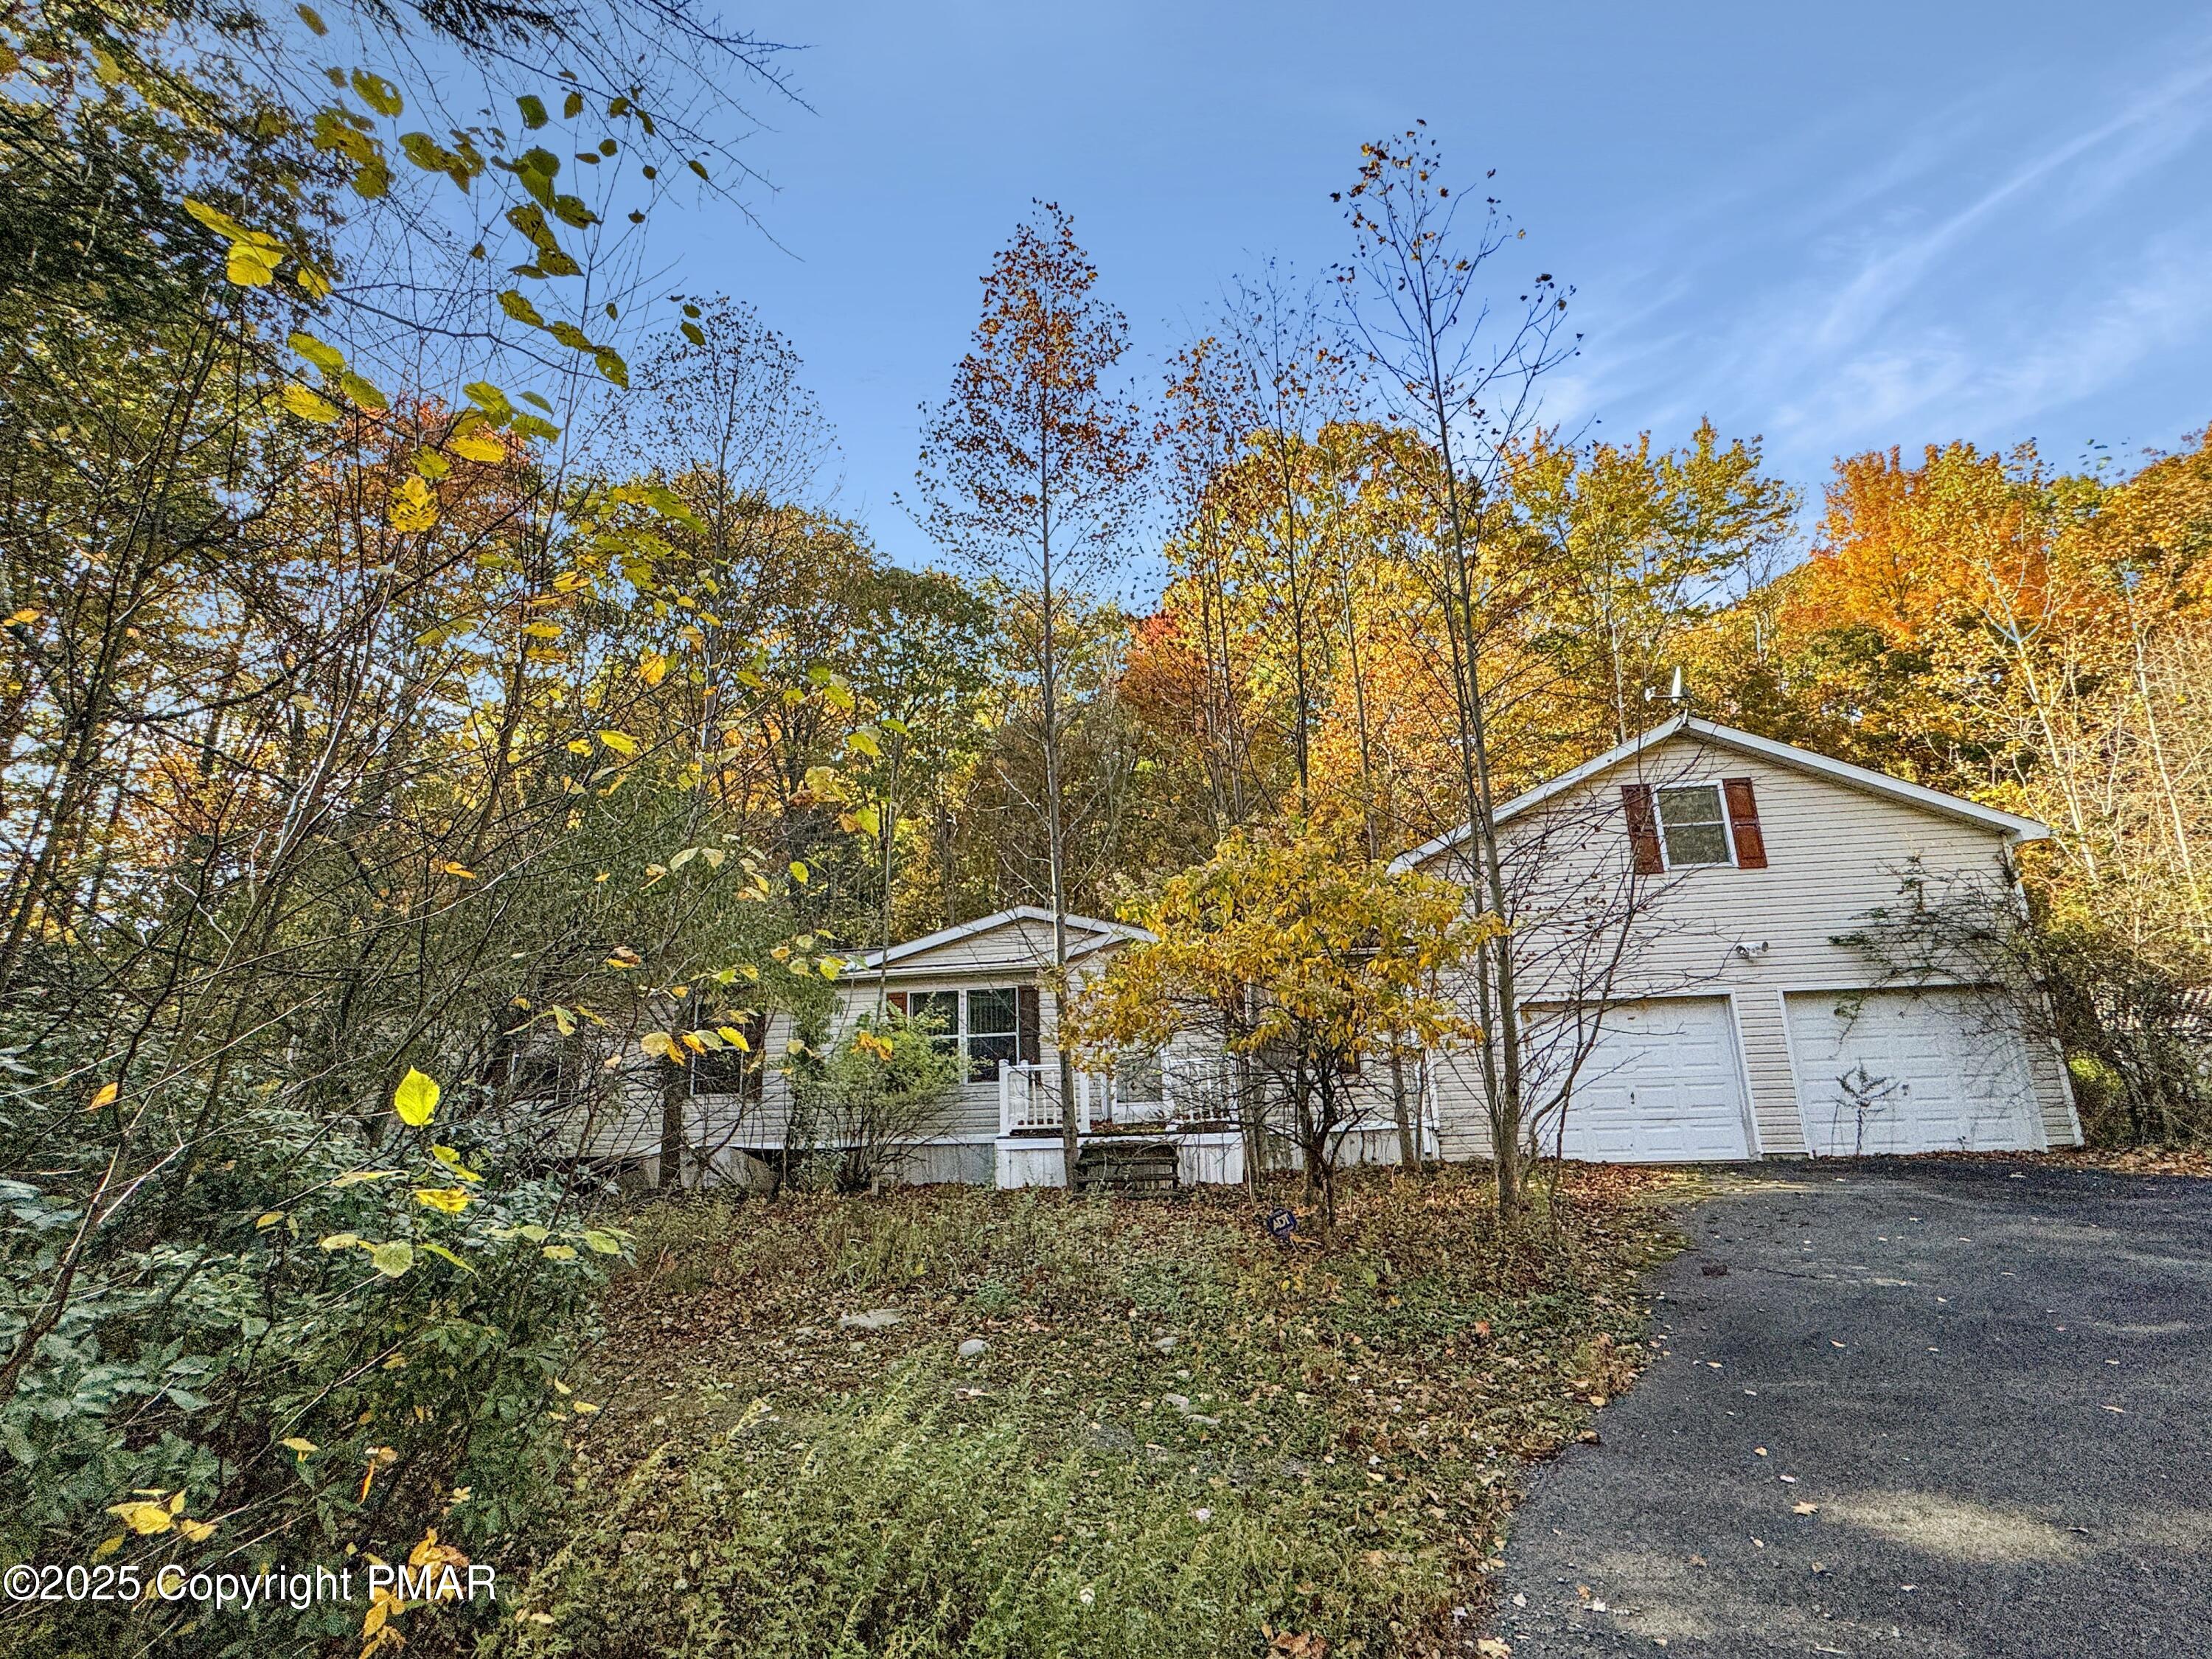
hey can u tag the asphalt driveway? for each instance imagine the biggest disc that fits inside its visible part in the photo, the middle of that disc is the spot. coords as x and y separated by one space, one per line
1931 1409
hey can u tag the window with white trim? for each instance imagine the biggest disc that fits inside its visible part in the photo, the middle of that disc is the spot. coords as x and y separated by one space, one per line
1693 825
993 1032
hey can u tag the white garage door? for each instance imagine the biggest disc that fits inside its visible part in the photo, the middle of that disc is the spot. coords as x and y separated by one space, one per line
1662 1086
1882 1071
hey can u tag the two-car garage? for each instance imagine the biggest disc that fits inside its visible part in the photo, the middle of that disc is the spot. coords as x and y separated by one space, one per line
1873 1072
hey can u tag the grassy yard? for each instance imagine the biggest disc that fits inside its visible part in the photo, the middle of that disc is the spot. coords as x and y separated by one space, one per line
1178 1437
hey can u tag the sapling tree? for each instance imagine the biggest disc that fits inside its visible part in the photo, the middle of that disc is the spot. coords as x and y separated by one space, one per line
1464 381
1294 950
1031 473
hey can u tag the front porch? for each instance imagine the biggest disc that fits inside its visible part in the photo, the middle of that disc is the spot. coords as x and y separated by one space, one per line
1179 1101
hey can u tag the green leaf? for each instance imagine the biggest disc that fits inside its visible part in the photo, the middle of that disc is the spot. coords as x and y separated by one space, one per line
693 333
328 358
392 1259
520 309
612 366
313 20
308 405
416 1098
571 106
605 1243
443 1254
361 392
378 94
490 399
533 110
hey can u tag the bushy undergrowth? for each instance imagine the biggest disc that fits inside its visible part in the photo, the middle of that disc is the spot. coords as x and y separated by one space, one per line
1179 1439
237 1353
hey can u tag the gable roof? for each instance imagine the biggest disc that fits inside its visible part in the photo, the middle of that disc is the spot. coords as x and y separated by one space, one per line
2009 825
1097 934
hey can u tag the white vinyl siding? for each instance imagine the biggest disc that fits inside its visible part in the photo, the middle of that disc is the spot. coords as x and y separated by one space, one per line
1834 852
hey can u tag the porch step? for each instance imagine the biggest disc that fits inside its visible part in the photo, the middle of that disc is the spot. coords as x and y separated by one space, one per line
1132 1168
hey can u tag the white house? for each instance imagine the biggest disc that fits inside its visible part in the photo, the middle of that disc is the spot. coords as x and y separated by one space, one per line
1681 903
1736 1023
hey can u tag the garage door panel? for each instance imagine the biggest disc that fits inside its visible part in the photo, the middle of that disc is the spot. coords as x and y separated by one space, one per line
1897 1071
1662 1085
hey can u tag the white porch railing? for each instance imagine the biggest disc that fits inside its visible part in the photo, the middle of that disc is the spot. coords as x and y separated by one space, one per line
1028 1097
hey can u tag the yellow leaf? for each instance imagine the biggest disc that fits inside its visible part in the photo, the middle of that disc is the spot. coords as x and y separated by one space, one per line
546 630
269 1219
653 668
462 871
621 742
660 1043
413 505
308 404
253 261
416 1098
145 1519
302 1447
583 1408
478 445
798 872
26 615
735 1038
354 1178
561 1252
451 1201
105 1097
341 1241
451 1159
197 1531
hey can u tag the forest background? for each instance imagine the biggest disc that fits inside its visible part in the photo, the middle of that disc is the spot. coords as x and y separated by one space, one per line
426 634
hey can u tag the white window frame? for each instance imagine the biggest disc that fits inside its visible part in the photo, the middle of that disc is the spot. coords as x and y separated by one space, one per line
967 1030
1728 823
960 1031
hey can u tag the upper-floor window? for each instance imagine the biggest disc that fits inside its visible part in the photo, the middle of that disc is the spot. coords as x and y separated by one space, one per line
1693 825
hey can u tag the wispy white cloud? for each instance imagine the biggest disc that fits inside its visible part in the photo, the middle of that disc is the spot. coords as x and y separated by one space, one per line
1976 274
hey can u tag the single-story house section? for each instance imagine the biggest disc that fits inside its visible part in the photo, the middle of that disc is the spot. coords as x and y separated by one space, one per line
987 985
1696 885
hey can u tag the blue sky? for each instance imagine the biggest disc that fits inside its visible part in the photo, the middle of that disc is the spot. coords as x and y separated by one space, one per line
1839 226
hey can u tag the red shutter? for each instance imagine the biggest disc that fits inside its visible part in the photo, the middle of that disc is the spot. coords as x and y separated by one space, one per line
1643 828
1028 1022
1743 823
897 999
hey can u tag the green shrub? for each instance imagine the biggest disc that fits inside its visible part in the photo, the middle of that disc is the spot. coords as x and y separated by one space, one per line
246 1310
